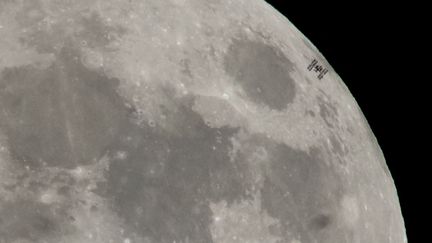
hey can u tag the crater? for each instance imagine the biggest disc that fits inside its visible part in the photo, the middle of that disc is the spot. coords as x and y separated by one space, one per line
262 71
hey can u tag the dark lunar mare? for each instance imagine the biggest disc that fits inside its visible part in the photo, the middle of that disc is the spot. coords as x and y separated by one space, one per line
262 71
30 220
299 189
303 192
64 116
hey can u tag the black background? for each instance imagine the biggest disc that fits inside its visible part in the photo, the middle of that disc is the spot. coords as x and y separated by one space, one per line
374 49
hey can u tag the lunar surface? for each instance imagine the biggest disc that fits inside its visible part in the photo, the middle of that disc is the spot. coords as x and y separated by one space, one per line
180 121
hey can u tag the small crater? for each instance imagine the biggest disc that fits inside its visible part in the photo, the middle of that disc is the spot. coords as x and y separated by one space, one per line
83 43
151 123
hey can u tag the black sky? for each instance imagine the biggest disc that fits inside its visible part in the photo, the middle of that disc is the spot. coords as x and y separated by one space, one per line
370 47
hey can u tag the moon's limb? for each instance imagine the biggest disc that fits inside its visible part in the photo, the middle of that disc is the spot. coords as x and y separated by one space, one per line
180 121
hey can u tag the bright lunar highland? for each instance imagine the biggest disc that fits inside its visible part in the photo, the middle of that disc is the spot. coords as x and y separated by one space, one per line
180 121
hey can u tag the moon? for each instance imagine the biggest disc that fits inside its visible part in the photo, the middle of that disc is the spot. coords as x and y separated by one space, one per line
186 121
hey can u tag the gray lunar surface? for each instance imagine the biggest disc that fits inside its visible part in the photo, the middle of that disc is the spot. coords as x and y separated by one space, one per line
180 121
